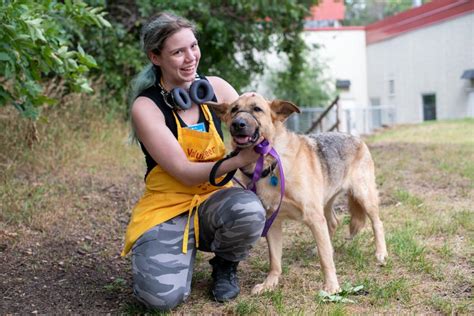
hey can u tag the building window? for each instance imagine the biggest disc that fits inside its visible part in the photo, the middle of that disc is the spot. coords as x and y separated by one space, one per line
375 101
344 85
391 87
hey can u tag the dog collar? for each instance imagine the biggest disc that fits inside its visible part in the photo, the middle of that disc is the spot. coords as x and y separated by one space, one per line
265 171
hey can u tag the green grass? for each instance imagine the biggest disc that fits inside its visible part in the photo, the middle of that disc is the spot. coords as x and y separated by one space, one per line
405 197
404 243
357 253
277 300
246 307
434 132
383 293
116 285
448 306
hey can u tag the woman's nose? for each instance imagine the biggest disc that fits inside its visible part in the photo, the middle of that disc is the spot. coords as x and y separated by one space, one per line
190 56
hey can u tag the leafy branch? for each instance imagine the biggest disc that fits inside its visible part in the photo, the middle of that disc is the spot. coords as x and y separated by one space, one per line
35 48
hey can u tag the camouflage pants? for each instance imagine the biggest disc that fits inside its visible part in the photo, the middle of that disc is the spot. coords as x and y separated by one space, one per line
230 221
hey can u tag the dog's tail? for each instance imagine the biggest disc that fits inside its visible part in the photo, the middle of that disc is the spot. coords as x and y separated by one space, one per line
358 215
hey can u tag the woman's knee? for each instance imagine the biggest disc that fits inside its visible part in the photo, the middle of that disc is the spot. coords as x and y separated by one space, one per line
247 211
160 298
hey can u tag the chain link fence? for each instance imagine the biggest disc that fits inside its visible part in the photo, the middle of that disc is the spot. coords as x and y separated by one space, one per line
356 121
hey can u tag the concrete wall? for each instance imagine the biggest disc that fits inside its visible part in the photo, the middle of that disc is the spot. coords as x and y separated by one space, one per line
424 61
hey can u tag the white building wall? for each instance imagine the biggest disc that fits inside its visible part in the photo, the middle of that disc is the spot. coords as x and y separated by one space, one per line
344 53
428 60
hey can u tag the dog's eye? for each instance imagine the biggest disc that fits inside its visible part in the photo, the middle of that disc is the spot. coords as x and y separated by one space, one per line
234 109
257 109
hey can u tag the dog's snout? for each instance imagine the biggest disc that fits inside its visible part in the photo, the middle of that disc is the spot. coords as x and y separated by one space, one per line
239 123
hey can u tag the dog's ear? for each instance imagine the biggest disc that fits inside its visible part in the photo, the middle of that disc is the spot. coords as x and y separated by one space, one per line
283 109
219 108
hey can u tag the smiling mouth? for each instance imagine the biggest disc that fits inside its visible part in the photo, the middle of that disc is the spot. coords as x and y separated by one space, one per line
188 69
243 141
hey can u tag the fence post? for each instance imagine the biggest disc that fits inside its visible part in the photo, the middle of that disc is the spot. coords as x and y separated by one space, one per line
320 118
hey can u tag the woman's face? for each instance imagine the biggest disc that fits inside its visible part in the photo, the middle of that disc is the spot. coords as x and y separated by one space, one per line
179 58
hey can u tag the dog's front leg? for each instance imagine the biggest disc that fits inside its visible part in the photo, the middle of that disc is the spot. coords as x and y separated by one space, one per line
275 245
317 223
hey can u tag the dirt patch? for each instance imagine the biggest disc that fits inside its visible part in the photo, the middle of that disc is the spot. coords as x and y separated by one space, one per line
71 265
53 278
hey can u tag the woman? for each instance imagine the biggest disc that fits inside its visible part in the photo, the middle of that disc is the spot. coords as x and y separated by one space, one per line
180 210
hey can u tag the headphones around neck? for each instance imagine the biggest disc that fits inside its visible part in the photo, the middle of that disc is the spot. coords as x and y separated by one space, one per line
179 99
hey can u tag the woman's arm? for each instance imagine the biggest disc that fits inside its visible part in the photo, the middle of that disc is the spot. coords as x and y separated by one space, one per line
161 144
225 93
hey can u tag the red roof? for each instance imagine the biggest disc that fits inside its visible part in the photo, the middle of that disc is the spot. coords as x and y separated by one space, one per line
328 10
427 14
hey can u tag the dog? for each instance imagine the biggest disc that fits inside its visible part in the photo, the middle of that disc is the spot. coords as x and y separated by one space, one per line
317 168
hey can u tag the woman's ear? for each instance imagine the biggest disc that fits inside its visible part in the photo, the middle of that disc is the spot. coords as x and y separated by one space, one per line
154 58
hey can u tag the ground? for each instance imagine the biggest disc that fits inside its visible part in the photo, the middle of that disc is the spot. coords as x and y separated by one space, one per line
65 210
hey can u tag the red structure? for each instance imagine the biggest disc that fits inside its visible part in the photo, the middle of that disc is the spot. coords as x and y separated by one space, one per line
429 13
328 10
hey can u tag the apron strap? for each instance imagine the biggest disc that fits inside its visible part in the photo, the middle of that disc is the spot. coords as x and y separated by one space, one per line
194 206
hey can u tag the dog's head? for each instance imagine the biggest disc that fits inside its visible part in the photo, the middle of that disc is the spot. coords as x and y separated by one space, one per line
252 116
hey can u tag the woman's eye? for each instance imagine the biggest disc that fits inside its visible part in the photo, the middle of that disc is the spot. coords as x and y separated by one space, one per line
177 52
257 109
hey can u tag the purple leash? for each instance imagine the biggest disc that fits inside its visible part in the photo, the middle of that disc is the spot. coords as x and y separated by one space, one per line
263 149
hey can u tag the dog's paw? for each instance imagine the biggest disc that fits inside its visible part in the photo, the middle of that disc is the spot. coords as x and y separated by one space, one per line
332 288
261 288
381 258
269 284
258 289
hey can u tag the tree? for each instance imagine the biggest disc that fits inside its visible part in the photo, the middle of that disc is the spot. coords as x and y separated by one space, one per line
304 86
36 47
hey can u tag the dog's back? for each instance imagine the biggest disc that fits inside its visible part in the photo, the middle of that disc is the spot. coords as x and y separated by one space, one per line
336 152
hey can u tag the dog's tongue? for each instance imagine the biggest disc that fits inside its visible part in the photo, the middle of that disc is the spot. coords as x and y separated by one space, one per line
242 139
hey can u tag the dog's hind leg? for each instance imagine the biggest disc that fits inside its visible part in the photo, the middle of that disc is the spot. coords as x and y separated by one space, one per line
358 215
331 217
363 200
275 246
316 221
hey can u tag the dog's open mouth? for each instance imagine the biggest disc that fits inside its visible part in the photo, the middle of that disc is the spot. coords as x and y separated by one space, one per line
243 141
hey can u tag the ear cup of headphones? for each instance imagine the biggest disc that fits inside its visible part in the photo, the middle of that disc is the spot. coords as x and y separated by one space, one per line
201 91
181 98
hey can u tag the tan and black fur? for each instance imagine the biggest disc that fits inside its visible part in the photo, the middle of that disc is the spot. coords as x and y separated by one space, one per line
317 168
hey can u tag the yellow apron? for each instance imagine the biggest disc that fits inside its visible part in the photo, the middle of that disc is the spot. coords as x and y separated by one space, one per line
165 197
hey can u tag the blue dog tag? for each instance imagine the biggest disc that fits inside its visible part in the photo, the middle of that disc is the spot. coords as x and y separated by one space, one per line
274 180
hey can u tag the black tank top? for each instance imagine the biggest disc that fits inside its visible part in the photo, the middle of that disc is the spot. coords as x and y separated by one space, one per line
154 94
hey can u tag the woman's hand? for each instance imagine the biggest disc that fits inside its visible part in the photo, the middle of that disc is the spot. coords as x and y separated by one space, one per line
248 155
